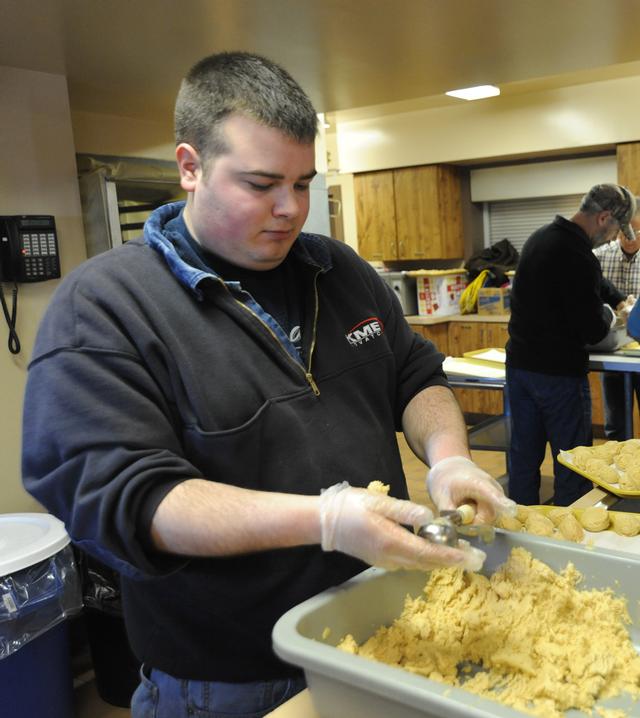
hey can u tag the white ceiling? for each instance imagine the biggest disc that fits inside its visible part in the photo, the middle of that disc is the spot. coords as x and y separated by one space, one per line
126 57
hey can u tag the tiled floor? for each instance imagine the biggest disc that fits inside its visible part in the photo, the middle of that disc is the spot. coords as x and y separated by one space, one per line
89 704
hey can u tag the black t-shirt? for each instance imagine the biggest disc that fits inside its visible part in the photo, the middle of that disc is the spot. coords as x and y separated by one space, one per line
279 291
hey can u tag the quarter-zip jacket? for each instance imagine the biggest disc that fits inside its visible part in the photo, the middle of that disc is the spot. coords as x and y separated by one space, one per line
149 370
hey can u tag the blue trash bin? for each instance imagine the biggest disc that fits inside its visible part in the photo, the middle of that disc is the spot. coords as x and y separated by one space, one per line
39 589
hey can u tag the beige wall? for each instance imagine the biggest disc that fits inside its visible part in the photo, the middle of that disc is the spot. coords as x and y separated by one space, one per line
577 117
123 136
37 176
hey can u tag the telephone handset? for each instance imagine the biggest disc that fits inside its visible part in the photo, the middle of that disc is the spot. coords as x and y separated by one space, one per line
28 248
28 253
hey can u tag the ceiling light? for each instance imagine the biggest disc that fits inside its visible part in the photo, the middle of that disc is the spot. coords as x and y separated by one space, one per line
475 93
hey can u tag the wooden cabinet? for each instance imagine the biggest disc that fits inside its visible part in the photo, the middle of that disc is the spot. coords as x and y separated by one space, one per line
428 212
375 210
437 333
409 213
628 161
469 336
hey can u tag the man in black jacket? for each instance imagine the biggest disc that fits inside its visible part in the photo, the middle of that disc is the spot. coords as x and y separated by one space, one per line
207 405
559 305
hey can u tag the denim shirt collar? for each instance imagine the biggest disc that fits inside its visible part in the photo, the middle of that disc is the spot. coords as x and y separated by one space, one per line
189 269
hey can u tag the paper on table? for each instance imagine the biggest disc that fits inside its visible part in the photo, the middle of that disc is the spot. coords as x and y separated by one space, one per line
497 355
468 367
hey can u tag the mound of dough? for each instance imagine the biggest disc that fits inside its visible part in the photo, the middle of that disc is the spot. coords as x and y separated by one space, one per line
538 524
626 524
557 514
377 487
539 644
509 523
570 528
595 518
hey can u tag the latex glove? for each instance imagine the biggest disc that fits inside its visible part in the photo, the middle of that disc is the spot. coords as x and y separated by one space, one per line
456 480
368 526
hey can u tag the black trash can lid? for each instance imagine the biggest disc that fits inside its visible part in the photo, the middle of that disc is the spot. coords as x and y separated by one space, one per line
26 539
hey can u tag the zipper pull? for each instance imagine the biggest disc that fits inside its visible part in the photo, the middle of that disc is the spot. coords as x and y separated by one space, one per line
312 383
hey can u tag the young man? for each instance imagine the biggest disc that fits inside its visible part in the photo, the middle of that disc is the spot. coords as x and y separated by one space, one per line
620 264
557 309
204 408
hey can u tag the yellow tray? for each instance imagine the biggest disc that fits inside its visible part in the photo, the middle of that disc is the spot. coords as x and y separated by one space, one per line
611 488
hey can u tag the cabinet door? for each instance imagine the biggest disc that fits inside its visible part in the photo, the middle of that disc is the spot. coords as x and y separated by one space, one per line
428 212
450 210
437 333
628 160
376 215
467 337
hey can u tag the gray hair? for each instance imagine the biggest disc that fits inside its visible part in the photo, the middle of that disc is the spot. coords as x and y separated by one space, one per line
240 82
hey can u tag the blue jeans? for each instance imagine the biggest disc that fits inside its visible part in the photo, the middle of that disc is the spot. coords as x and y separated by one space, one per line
160 695
546 408
613 400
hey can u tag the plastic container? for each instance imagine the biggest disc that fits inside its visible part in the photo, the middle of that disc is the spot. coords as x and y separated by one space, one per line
347 686
439 291
39 589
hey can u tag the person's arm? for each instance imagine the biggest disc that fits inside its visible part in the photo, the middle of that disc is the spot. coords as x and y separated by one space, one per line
434 426
435 430
203 518
207 518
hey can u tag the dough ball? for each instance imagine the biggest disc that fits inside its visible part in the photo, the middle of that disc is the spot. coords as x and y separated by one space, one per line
509 523
538 524
523 511
626 459
606 451
595 518
580 455
628 482
377 487
570 528
556 515
625 524
607 474
597 467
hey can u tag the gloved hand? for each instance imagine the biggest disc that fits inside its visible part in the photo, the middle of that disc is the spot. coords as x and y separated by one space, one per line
456 480
624 308
367 525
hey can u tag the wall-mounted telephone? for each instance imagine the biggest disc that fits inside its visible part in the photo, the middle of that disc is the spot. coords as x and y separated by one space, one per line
28 253
28 248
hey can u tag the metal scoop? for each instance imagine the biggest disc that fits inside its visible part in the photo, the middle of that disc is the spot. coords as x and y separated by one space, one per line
450 525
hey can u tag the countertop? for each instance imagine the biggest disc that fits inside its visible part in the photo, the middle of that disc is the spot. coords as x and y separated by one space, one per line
491 318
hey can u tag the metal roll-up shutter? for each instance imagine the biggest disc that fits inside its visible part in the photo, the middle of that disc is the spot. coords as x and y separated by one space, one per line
517 219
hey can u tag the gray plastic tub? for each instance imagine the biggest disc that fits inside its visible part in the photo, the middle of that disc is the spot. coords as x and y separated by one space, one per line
347 686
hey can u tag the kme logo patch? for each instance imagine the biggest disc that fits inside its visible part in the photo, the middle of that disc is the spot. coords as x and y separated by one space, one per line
364 331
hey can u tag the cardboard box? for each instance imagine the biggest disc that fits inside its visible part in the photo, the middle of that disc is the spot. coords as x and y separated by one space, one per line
439 291
494 300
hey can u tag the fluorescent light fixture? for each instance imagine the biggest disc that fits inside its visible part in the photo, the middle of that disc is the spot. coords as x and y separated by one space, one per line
475 93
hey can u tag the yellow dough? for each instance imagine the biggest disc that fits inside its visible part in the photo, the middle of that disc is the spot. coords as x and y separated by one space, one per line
538 524
581 454
625 524
509 523
540 645
377 487
523 511
570 528
556 515
595 518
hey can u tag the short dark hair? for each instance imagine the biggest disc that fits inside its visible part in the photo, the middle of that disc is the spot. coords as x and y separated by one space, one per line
240 82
